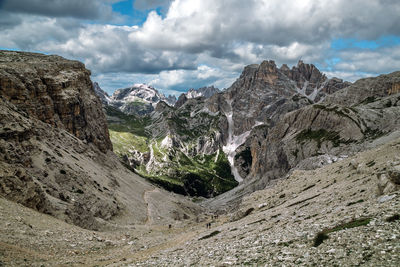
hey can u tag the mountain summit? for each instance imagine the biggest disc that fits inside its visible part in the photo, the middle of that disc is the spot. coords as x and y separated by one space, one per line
139 99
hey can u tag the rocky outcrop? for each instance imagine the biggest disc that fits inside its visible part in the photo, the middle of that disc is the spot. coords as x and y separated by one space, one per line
367 90
262 95
56 91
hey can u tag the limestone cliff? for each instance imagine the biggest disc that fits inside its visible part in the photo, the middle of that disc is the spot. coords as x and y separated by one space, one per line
56 91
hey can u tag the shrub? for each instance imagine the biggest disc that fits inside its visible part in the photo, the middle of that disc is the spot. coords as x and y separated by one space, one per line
319 238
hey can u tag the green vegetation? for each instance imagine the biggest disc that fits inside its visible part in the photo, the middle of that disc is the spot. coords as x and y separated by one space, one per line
320 136
321 236
206 175
373 133
210 235
319 239
393 218
343 112
371 163
246 156
128 123
125 141
368 100
202 175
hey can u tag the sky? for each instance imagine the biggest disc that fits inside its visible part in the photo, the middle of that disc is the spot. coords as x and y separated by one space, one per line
175 45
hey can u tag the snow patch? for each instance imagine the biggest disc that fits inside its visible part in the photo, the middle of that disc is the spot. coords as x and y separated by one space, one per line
233 143
166 142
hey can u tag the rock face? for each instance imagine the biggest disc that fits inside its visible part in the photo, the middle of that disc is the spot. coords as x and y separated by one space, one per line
262 95
56 91
325 132
262 89
51 160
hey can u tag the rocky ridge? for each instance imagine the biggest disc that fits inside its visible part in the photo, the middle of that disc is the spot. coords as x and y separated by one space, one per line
205 92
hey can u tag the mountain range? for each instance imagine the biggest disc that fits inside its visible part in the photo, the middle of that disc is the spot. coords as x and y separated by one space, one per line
141 99
284 167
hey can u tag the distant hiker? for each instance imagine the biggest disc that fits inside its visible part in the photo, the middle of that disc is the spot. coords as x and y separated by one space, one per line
169 226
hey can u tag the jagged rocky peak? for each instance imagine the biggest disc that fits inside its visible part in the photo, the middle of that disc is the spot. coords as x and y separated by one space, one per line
55 90
205 92
304 79
181 100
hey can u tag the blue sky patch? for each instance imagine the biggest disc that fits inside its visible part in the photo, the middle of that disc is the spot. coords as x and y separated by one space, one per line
351 43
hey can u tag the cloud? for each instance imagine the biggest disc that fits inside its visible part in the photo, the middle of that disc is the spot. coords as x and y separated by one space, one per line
201 42
182 80
204 25
382 60
88 9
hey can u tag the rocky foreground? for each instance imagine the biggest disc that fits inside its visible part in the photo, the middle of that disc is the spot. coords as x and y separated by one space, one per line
343 214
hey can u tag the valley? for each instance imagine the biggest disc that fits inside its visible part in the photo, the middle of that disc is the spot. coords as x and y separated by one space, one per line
288 166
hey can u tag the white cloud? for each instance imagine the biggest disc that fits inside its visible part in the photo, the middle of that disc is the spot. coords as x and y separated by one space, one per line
207 41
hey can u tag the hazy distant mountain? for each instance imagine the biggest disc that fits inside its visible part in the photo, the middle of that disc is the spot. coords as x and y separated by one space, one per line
205 92
139 99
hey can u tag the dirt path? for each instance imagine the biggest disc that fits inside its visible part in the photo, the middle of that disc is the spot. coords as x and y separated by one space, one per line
146 200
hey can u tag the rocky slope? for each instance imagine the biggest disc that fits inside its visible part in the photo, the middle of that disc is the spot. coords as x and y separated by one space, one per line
59 161
104 97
